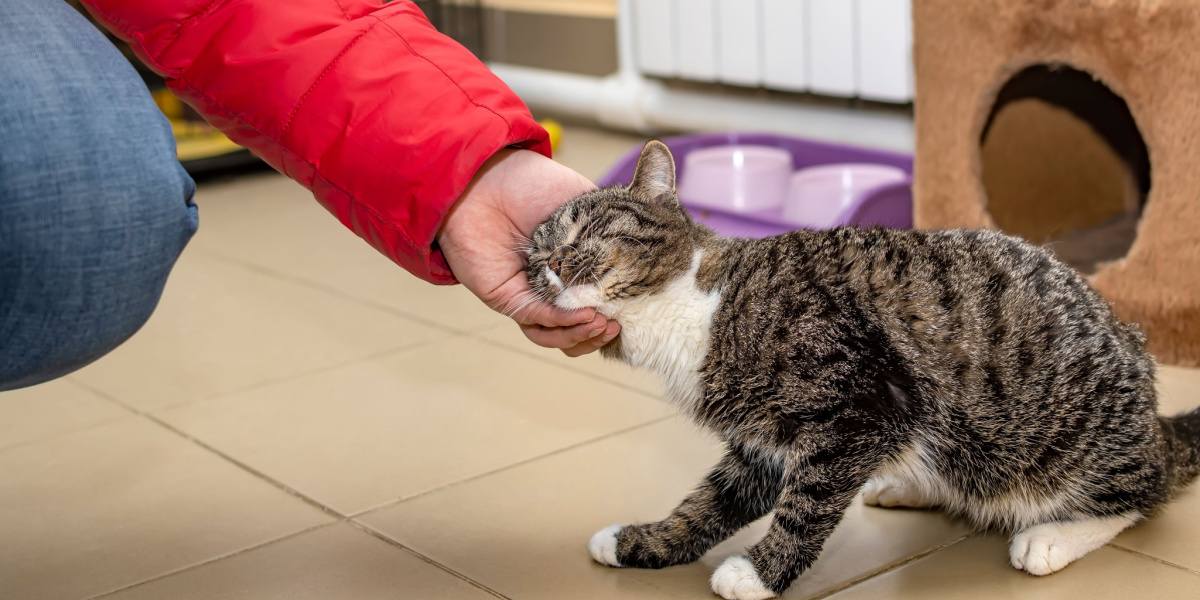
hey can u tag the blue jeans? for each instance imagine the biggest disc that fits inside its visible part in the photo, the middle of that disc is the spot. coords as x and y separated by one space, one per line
94 207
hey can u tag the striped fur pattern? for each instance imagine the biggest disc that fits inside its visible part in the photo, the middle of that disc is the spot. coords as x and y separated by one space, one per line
961 369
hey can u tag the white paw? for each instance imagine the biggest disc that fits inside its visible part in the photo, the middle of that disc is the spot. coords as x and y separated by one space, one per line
1039 551
736 579
890 491
603 546
1046 548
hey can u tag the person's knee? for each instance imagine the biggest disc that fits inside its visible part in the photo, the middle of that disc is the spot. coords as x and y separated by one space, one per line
87 240
81 273
94 207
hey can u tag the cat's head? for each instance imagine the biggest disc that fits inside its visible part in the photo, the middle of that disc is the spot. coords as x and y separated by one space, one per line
606 247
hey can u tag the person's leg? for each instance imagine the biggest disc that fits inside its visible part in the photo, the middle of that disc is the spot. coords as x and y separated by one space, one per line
94 208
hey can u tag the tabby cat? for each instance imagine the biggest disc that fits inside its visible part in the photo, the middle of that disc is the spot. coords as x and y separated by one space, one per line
965 370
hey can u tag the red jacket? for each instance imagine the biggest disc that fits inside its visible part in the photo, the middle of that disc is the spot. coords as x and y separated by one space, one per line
361 101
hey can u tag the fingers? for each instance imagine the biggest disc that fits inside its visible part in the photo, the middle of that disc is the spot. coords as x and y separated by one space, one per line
591 345
548 315
566 337
515 300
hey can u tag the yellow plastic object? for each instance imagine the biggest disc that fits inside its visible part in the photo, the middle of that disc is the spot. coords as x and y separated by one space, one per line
199 140
555 130
194 140
168 103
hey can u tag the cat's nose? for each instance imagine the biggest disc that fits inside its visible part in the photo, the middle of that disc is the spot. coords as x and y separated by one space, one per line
555 262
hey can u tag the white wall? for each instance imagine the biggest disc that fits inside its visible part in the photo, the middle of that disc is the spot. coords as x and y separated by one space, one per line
849 48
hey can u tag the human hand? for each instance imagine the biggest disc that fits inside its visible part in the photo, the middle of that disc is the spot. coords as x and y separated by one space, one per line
513 193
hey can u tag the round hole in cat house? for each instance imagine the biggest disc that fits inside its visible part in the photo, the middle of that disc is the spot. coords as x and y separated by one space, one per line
1063 164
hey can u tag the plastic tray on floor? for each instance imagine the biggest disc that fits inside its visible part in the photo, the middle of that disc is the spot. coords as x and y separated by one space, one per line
886 206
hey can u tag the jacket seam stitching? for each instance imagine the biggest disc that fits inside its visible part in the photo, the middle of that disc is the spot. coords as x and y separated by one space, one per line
175 35
450 79
316 172
287 127
342 8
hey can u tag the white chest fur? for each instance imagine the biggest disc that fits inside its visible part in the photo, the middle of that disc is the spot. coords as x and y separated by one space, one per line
667 332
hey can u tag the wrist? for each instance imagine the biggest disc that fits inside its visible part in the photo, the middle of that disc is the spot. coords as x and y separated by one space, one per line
523 186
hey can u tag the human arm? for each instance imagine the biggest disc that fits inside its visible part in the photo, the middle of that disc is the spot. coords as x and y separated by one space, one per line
387 121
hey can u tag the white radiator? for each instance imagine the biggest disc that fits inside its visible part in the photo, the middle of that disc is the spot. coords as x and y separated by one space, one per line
849 48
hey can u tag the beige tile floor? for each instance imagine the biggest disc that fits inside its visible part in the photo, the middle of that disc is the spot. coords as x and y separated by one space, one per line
301 419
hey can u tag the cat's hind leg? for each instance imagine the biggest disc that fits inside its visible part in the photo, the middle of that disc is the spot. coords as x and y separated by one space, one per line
1048 547
905 482
893 490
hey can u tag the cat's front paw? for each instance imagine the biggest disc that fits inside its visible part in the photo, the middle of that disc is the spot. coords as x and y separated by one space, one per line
603 546
736 579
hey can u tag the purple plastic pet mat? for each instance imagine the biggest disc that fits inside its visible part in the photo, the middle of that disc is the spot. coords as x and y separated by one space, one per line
889 205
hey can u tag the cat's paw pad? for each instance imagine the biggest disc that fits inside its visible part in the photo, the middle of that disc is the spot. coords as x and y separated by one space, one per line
736 579
889 491
1041 550
603 546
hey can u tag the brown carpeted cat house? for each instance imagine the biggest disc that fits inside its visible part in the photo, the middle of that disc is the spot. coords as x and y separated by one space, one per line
1074 123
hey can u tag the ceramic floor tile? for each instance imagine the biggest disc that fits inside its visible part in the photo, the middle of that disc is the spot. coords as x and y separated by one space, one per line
978 569
523 531
271 222
50 408
388 428
338 561
91 511
222 327
510 336
1174 534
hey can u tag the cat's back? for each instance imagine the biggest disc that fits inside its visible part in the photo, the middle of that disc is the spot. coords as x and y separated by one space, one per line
951 303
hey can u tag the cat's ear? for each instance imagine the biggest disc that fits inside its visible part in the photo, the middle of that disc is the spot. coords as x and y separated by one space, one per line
654 178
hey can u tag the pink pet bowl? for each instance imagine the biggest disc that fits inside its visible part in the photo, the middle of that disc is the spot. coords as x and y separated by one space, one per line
737 179
821 196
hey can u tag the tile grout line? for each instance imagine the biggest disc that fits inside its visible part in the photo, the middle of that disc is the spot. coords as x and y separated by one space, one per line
70 379
390 503
339 517
1151 557
548 361
208 561
108 400
390 352
888 568
333 291
471 333
365 528
237 463
57 434
351 519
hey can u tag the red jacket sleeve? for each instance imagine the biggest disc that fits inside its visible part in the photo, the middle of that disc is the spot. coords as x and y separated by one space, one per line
364 103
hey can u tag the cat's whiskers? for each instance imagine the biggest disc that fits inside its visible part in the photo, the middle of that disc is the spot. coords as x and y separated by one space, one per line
579 272
522 245
634 240
523 300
